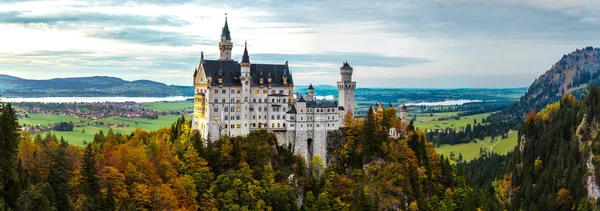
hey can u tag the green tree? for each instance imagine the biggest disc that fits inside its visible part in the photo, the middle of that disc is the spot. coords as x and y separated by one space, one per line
58 177
9 142
90 184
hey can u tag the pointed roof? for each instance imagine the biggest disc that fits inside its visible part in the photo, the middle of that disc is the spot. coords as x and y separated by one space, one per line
226 32
346 65
301 99
311 87
292 110
245 57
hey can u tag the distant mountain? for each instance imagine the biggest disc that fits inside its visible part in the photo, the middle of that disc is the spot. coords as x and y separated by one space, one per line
571 74
97 86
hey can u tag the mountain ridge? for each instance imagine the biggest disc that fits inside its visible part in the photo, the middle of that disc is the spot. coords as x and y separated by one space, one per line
91 86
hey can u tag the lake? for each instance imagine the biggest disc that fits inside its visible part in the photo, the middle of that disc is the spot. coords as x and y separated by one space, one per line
95 99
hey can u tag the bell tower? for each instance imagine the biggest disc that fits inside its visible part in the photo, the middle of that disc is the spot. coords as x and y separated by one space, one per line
225 45
346 88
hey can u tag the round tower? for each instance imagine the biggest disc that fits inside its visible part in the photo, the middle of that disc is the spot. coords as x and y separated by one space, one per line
225 45
404 114
311 93
346 88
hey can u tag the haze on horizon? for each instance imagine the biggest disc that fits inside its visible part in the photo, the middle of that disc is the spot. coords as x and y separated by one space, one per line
408 43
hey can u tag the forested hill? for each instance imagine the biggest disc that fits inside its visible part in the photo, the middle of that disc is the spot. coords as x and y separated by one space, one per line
96 86
556 164
570 74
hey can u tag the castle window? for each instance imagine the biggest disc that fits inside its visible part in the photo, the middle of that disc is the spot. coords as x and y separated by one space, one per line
259 117
238 109
254 100
278 125
237 117
239 91
281 91
254 117
225 117
223 100
232 126
216 109
251 108
216 91
272 91
301 110
259 108
278 117
260 100
284 100
301 118
265 91
224 91
256 91
272 124
272 116
273 100
226 109
284 124
216 100
225 126
232 99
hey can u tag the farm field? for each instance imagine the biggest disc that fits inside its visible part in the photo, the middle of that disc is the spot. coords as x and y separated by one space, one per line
424 121
470 150
76 137
171 106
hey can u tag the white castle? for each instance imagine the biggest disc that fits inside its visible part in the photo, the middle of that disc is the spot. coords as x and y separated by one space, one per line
233 98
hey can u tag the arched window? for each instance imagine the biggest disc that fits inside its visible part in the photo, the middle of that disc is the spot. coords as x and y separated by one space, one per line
272 116
216 100
216 91
284 124
273 100
278 125
224 91
260 100
238 109
216 109
225 117
223 100
284 100
259 108
272 124
278 116
232 99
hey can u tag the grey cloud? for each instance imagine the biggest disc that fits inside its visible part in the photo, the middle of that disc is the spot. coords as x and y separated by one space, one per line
362 59
82 18
153 37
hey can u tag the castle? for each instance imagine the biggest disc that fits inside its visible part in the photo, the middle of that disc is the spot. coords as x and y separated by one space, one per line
233 98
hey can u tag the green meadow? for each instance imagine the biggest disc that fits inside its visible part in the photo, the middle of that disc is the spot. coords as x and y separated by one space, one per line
425 121
171 106
470 150
85 132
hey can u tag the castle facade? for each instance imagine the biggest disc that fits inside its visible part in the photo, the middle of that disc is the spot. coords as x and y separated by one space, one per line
233 98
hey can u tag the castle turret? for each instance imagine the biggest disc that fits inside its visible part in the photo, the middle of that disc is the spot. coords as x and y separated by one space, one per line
404 114
346 88
245 80
225 45
311 93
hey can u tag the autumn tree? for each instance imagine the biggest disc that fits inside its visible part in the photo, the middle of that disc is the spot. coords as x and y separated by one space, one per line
9 142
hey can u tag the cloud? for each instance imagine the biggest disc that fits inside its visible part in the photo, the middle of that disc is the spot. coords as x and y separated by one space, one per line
336 59
153 37
20 17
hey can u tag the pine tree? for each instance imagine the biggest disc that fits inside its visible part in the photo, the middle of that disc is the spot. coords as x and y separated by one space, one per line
370 135
9 142
90 184
110 199
59 177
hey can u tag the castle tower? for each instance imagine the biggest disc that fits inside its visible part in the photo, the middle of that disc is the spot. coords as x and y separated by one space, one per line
225 45
201 96
245 80
311 93
404 114
346 88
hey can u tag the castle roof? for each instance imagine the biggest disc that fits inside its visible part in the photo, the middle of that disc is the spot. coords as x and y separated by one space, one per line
321 104
245 57
346 65
292 110
301 99
225 33
230 71
310 87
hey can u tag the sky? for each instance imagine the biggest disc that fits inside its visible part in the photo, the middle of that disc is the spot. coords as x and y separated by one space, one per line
400 43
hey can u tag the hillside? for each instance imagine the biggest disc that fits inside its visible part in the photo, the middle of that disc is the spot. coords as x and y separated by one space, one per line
97 86
571 74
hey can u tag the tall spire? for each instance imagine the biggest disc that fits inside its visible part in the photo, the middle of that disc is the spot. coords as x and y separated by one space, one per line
245 57
226 32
